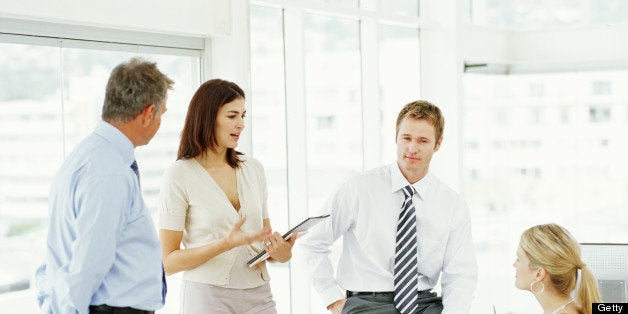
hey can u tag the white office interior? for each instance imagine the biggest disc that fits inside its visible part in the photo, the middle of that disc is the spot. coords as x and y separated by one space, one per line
534 94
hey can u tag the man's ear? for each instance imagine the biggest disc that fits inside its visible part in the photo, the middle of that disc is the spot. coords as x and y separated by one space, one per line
147 115
437 145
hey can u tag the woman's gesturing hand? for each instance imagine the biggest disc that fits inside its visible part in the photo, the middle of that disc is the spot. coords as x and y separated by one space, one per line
237 237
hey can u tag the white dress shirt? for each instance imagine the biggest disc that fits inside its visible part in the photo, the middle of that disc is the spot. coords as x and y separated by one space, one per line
364 210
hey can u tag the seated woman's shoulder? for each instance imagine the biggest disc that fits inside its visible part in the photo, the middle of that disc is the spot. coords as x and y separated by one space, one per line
571 309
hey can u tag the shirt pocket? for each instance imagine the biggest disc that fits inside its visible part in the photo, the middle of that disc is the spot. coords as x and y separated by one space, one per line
431 251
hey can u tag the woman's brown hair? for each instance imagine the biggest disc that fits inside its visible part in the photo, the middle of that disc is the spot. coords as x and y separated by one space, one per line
199 131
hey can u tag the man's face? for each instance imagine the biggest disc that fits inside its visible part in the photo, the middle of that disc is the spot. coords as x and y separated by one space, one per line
416 143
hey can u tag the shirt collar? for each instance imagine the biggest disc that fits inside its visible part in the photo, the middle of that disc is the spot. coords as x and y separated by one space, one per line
114 136
398 182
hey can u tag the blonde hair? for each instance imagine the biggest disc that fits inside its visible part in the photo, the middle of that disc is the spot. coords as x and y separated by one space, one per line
553 248
423 110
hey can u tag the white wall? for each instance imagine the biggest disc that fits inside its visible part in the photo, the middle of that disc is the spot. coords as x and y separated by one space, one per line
181 17
548 49
479 43
601 43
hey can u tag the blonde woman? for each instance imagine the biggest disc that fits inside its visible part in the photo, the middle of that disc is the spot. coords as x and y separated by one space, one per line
548 265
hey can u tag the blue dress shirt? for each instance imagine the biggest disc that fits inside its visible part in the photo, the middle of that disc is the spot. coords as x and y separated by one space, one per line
102 246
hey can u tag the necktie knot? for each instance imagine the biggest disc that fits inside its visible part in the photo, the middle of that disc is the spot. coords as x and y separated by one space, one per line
136 170
408 191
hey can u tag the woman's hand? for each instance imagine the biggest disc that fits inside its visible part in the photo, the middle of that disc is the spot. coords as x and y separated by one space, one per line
177 259
237 237
278 249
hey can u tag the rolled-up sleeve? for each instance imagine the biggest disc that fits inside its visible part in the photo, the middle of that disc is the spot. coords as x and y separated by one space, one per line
173 202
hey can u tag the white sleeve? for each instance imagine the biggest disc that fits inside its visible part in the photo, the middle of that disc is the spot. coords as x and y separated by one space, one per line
173 200
264 189
460 271
315 248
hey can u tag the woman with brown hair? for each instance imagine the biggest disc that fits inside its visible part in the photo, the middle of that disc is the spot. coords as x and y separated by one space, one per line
213 200
548 265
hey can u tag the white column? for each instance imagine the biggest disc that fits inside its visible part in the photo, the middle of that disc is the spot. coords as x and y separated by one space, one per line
231 58
441 69
371 111
296 144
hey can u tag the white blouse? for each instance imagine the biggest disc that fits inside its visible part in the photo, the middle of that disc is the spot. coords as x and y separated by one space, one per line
191 201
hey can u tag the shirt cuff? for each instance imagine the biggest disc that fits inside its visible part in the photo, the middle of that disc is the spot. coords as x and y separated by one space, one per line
331 295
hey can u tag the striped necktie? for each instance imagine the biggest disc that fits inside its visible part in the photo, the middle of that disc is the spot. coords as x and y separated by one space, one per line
406 274
164 286
136 170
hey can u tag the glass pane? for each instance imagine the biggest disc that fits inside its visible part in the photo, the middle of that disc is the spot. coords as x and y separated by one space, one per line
31 137
333 103
161 152
399 79
542 148
85 77
267 107
400 7
544 14
42 123
609 11
529 14
85 74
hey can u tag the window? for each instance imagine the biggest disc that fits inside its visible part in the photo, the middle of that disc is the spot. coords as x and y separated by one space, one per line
564 168
51 94
601 88
546 14
326 122
267 108
399 79
599 113
327 75
332 80
32 139
536 90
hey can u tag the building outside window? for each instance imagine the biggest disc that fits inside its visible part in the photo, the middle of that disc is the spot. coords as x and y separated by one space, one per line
51 96
569 167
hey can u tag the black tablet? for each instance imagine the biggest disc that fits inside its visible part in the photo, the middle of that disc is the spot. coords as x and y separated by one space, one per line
304 225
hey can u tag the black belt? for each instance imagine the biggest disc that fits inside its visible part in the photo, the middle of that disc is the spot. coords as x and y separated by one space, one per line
378 293
103 308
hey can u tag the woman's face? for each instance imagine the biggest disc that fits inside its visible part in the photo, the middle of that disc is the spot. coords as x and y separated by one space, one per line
524 275
230 123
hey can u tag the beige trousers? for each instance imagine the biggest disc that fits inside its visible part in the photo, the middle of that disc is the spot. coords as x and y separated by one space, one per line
202 298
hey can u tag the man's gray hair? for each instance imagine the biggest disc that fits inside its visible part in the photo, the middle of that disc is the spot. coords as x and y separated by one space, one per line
132 86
